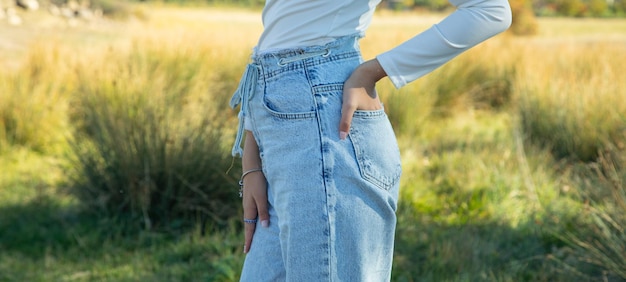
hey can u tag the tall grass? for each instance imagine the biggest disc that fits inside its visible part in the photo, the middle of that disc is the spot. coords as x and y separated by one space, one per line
600 236
572 99
513 164
33 101
150 136
563 97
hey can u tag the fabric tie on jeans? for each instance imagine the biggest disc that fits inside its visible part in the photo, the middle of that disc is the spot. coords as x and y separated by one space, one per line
241 96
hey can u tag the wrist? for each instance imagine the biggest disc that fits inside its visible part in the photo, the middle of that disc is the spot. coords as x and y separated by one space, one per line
372 70
246 172
243 175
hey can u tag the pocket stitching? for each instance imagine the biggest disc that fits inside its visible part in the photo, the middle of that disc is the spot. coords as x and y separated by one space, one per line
302 115
384 182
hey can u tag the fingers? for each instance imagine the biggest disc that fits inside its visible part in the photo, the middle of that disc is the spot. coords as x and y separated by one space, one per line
359 92
255 206
356 98
264 216
256 210
249 213
347 110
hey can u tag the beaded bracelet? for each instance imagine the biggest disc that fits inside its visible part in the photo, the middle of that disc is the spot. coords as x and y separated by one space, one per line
244 175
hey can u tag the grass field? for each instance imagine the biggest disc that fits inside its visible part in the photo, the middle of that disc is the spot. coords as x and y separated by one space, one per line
514 157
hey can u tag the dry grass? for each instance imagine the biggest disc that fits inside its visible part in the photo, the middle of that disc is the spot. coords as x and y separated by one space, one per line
488 141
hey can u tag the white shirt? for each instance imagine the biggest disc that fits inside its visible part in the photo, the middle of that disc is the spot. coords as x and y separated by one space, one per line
297 23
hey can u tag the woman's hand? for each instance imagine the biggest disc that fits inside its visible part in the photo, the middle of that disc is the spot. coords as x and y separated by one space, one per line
254 191
359 93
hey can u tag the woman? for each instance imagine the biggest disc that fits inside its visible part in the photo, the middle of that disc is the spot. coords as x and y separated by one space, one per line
321 166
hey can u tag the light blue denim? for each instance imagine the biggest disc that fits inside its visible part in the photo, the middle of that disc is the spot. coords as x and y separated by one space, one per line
332 202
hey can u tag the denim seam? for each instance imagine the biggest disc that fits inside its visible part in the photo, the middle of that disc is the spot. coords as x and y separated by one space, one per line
325 177
325 88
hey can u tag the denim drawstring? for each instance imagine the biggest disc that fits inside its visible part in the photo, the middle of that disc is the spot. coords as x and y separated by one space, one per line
241 96
247 86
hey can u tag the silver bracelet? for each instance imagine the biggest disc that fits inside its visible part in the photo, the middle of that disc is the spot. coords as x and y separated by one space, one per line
244 175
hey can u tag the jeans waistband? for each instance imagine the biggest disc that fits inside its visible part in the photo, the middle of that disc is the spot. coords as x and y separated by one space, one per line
268 64
273 62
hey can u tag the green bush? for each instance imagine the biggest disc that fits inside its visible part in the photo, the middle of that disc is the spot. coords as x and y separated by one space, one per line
598 8
548 125
570 8
33 100
600 239
524 20
575 110
619 7
149 142
468 82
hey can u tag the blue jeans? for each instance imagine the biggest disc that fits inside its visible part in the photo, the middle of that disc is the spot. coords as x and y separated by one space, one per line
332 202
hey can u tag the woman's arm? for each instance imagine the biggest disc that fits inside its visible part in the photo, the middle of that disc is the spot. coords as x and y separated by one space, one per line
473 22
254 189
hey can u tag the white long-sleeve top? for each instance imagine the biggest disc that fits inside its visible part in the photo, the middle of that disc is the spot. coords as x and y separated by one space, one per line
297 23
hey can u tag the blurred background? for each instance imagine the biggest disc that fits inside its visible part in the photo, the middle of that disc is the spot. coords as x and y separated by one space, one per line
115 140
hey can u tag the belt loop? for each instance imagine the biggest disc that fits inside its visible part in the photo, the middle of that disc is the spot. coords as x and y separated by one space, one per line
302 55
244 92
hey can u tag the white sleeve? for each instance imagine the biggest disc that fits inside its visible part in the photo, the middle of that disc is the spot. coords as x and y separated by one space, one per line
473 22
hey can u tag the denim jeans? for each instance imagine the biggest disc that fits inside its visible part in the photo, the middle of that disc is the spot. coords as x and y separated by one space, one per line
332 202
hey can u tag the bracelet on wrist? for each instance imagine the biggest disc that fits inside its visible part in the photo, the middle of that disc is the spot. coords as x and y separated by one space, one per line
242 177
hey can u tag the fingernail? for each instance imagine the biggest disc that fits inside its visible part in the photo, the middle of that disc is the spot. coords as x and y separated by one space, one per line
265 223
245 249
343 135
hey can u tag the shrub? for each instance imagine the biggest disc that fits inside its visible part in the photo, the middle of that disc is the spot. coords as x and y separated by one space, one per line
524 20
33 100
470 82
572 104
601 239
598 8
571 8
149 142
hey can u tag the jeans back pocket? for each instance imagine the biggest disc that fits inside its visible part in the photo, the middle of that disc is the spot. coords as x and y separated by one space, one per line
376 148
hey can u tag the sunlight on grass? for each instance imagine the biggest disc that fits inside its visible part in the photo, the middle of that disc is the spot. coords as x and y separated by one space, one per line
584 94
506 149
